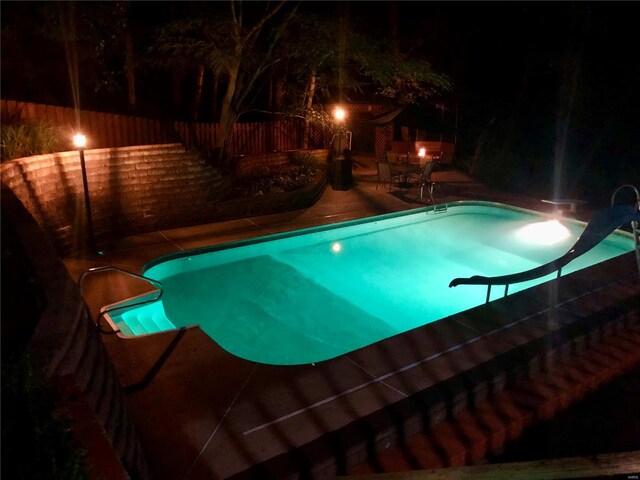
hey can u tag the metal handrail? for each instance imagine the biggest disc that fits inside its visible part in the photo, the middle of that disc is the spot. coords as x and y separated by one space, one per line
106 310
425 181
613 196
634 224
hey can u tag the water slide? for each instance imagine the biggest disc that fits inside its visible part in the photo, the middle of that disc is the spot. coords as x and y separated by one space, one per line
602 224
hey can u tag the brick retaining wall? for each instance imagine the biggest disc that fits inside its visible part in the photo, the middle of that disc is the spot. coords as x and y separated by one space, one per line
132 190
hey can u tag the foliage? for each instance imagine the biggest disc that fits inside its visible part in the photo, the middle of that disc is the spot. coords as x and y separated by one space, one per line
394 74
321 118
53 49
22 138
38 443
238 46
322 59
299 174
308 52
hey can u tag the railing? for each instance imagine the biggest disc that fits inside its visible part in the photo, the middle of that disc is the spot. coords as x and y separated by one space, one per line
599 227
425 181
106 310
634 224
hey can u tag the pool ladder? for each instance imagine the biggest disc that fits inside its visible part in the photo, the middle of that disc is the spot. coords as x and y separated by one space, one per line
634 225
106 310
429 187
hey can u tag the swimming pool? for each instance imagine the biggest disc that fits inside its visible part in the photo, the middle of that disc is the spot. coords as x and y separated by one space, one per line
311 295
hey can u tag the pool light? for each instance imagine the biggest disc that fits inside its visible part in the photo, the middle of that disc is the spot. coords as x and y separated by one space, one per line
549 232
336 247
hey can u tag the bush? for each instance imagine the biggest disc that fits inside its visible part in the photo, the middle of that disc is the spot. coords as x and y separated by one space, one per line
37 442
21 138
287 179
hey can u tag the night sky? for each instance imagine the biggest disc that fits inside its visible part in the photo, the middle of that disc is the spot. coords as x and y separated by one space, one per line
542 90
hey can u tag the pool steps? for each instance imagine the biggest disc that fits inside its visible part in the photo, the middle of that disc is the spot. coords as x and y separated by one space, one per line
143 321
148 298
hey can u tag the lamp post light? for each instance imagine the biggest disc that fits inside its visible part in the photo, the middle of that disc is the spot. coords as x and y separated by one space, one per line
80 141
339 114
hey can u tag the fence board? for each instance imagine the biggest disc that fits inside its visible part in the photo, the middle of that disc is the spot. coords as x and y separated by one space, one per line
112 130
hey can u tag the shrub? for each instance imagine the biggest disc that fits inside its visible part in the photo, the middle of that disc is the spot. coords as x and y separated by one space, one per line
287 179
22 138
37 442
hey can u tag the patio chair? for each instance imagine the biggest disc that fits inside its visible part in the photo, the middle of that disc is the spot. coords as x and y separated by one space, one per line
386 175
392 157
425 180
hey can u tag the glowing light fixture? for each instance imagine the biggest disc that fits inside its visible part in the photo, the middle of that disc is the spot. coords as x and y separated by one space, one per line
79 140
336 247
544 233
422 152
339 114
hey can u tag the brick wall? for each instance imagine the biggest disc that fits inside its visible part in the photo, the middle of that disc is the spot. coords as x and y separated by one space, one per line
131 189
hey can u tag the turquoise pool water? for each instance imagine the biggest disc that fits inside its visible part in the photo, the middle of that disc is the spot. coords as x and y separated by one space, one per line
312 295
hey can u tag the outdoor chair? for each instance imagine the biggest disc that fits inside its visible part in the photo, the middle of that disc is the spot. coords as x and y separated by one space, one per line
386 175
392 157
425 180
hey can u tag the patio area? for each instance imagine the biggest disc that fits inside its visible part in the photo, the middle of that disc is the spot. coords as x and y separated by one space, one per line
204 413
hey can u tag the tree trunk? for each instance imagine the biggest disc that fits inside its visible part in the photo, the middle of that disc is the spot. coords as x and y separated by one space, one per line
129 63
198 94
130 70
279 93
309 103
214 97
227 116
176 89
393 25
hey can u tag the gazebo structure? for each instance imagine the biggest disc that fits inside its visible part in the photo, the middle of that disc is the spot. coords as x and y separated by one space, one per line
407 129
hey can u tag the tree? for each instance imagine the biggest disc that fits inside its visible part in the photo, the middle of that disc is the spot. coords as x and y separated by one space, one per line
129 63
335 59
237 48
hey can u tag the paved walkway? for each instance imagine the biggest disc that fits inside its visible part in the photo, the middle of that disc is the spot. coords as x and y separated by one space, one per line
365 199
204 413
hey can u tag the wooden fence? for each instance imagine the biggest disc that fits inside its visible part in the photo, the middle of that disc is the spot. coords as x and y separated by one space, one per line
105 130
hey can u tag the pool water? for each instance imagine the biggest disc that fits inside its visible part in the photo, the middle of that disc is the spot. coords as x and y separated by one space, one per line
315 294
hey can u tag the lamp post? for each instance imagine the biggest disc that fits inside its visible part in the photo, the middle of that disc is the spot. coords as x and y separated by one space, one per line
80 141
341 176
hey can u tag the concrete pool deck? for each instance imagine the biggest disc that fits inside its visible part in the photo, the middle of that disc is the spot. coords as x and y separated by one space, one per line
204 413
